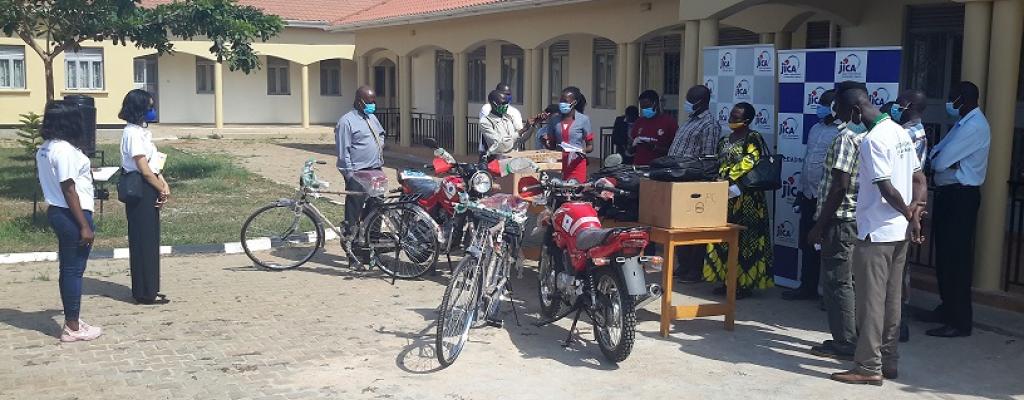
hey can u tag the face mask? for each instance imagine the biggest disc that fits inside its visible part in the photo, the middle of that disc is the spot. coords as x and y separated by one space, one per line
369 108
823 111
647 113
896 113
688 107
151 115
501 109
737 125
952 110
857 128
509 96
564 108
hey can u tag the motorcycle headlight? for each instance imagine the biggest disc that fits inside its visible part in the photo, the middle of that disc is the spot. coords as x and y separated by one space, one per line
481 182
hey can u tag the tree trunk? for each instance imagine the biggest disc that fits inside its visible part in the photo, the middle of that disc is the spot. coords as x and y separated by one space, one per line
48 69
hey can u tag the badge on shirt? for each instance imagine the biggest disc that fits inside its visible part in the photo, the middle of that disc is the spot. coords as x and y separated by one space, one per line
661 132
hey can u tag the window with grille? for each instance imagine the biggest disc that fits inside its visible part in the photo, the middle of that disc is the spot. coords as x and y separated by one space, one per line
604 73
933 47
558 69
204 76
512 70
477 67
330 78
12 67
732 36
278 82
83 70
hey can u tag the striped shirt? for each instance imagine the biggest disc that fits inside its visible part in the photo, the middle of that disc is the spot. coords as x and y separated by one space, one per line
697 137
920 138
843 155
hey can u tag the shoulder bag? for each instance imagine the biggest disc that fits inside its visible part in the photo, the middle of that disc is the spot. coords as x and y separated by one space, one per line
767 171
129 187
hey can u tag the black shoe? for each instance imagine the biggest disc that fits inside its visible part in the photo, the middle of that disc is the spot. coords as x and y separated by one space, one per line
688 279
890 372
931 317
904 336
947 332
829 351
159 299
741 293
797 294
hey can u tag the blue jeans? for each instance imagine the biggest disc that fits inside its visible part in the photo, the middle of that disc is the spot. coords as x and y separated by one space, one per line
72 256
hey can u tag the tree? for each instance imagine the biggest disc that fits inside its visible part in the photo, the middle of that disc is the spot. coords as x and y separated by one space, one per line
28 132
51 27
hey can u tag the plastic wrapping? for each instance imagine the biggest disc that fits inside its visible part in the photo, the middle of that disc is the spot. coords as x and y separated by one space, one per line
374 182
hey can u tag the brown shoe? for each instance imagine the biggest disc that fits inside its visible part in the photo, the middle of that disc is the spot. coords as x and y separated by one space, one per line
855 378
890 373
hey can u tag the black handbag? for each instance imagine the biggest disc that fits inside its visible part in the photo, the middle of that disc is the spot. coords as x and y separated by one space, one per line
684 169
767 171
129 187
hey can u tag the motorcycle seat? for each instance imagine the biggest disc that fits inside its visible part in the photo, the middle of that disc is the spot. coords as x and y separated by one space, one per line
422 187
593 237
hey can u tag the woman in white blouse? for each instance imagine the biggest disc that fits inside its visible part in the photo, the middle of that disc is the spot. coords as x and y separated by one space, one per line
65 176
143 212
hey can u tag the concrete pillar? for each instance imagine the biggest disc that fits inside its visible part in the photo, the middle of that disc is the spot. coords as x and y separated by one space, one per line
460 79
690 57
405 100
708 36
768 38
545 84
783 40
977 31
529 75
632 70
218 95
305 96
537 66
362 71
1003 73
622 99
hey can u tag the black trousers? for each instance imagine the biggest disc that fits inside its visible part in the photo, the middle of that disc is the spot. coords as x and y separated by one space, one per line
811 258
955 219
144 244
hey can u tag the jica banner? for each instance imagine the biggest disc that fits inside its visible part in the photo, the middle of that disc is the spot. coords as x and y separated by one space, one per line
803 76
742 74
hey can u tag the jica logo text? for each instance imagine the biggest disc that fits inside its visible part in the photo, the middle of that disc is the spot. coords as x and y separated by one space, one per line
791 65
761 118
879 97
790 187
815 96
849 65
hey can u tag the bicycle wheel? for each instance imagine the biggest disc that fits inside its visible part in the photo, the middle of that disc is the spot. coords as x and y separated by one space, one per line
458 310
403 241
280 236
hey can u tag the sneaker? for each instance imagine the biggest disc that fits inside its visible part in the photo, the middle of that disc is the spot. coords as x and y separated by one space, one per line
85 332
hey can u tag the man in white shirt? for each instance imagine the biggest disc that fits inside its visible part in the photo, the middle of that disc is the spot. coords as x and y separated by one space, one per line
890 200
960 162
512 112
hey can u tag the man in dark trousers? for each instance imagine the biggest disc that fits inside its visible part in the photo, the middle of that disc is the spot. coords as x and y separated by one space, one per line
819 140
960 162
360 145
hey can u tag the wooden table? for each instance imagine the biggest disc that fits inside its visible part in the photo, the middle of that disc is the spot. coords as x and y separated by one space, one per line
670 238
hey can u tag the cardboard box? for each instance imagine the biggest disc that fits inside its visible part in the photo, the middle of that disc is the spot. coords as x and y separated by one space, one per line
677 205
537 156
510 183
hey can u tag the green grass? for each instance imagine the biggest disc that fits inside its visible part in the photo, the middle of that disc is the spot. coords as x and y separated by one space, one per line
210 199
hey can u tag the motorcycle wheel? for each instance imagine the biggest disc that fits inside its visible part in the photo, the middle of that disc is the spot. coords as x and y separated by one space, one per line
551 304
615 318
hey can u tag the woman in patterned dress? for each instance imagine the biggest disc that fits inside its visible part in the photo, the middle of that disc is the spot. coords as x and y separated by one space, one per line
737 154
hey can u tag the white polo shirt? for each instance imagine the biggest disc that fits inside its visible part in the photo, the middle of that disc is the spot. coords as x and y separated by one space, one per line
58 161
135 141
886 153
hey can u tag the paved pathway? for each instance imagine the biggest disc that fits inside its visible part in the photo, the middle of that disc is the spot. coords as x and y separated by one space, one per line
322 331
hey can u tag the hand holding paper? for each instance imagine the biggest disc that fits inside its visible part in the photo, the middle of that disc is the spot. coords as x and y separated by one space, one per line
734 191
156 164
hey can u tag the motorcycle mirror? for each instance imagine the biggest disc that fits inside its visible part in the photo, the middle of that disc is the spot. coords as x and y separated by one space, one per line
613 160
431 143
529 187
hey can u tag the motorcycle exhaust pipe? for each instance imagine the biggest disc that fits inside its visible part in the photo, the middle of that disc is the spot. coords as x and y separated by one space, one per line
654 291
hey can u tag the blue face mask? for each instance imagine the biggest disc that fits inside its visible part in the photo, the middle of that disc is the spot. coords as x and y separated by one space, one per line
952 110
151 115
564 108
509 97
896 113
688 107
857 128
369 108
647 113
823 111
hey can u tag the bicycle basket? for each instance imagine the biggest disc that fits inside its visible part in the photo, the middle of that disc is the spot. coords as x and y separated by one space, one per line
374 182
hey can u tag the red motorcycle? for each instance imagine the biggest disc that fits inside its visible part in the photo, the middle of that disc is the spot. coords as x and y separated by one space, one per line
587 268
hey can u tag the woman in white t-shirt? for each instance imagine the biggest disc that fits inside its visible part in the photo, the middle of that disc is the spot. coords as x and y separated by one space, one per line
143 212
65 176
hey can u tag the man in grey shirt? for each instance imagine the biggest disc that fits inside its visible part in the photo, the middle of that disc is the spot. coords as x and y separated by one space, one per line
360 144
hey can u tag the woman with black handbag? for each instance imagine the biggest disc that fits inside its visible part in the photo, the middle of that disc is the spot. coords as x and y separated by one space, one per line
739 154
143 190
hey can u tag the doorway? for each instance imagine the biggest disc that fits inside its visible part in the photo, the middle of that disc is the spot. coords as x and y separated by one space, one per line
384 83
444 78
146 77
